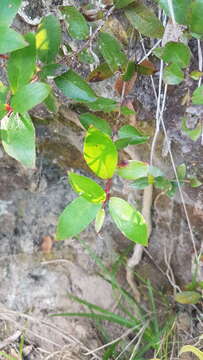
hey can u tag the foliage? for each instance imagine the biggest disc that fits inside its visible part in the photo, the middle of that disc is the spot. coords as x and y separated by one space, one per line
32 59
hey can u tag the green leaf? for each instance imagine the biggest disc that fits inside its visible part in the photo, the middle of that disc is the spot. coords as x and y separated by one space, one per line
195 17
89 119
144 20
112 52
158 52
99 220
119 4
20 139
181 9
132 135
181 171
76 217
100 153
3 96
110 351
178 53
87 188
51 102
188 297
86 57
10 40
141 183
48 38
173 75
21 64
196 75
133 170
77 26
73 86
162 183
197 96
101 73
194 182
154 171
126 111
172 190
129 221
50 71
193 134
6 356
129 72
9 9
29 96
103 104
193 349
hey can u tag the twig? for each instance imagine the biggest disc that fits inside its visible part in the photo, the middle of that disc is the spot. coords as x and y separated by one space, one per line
10 339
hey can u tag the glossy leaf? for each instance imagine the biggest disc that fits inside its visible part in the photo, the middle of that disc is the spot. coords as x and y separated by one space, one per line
87 188
119 4
178 53
197 96
76 24
112 51
73 86
129 221
196 75
20 138
193 349
144 20
9 9
89 119
10 40
103 104
101 72
188 297
76 217
21 64
99 221
133 170
193 134
48 38
100 153
195 17
29 96
181 171
181 9
173 75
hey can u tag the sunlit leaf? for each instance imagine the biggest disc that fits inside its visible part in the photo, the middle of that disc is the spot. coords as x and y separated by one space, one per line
21 64
193 349
10 40
87 188
133 169
194 182
20 138
197 96
100 153
48 38
99 221
173 75
76 24
196 75
89 119
76 217
112 52
129 221
75 87
144 20
29 96
188 297
101 72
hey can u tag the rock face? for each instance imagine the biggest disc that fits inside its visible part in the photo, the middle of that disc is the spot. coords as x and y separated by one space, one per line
36 282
